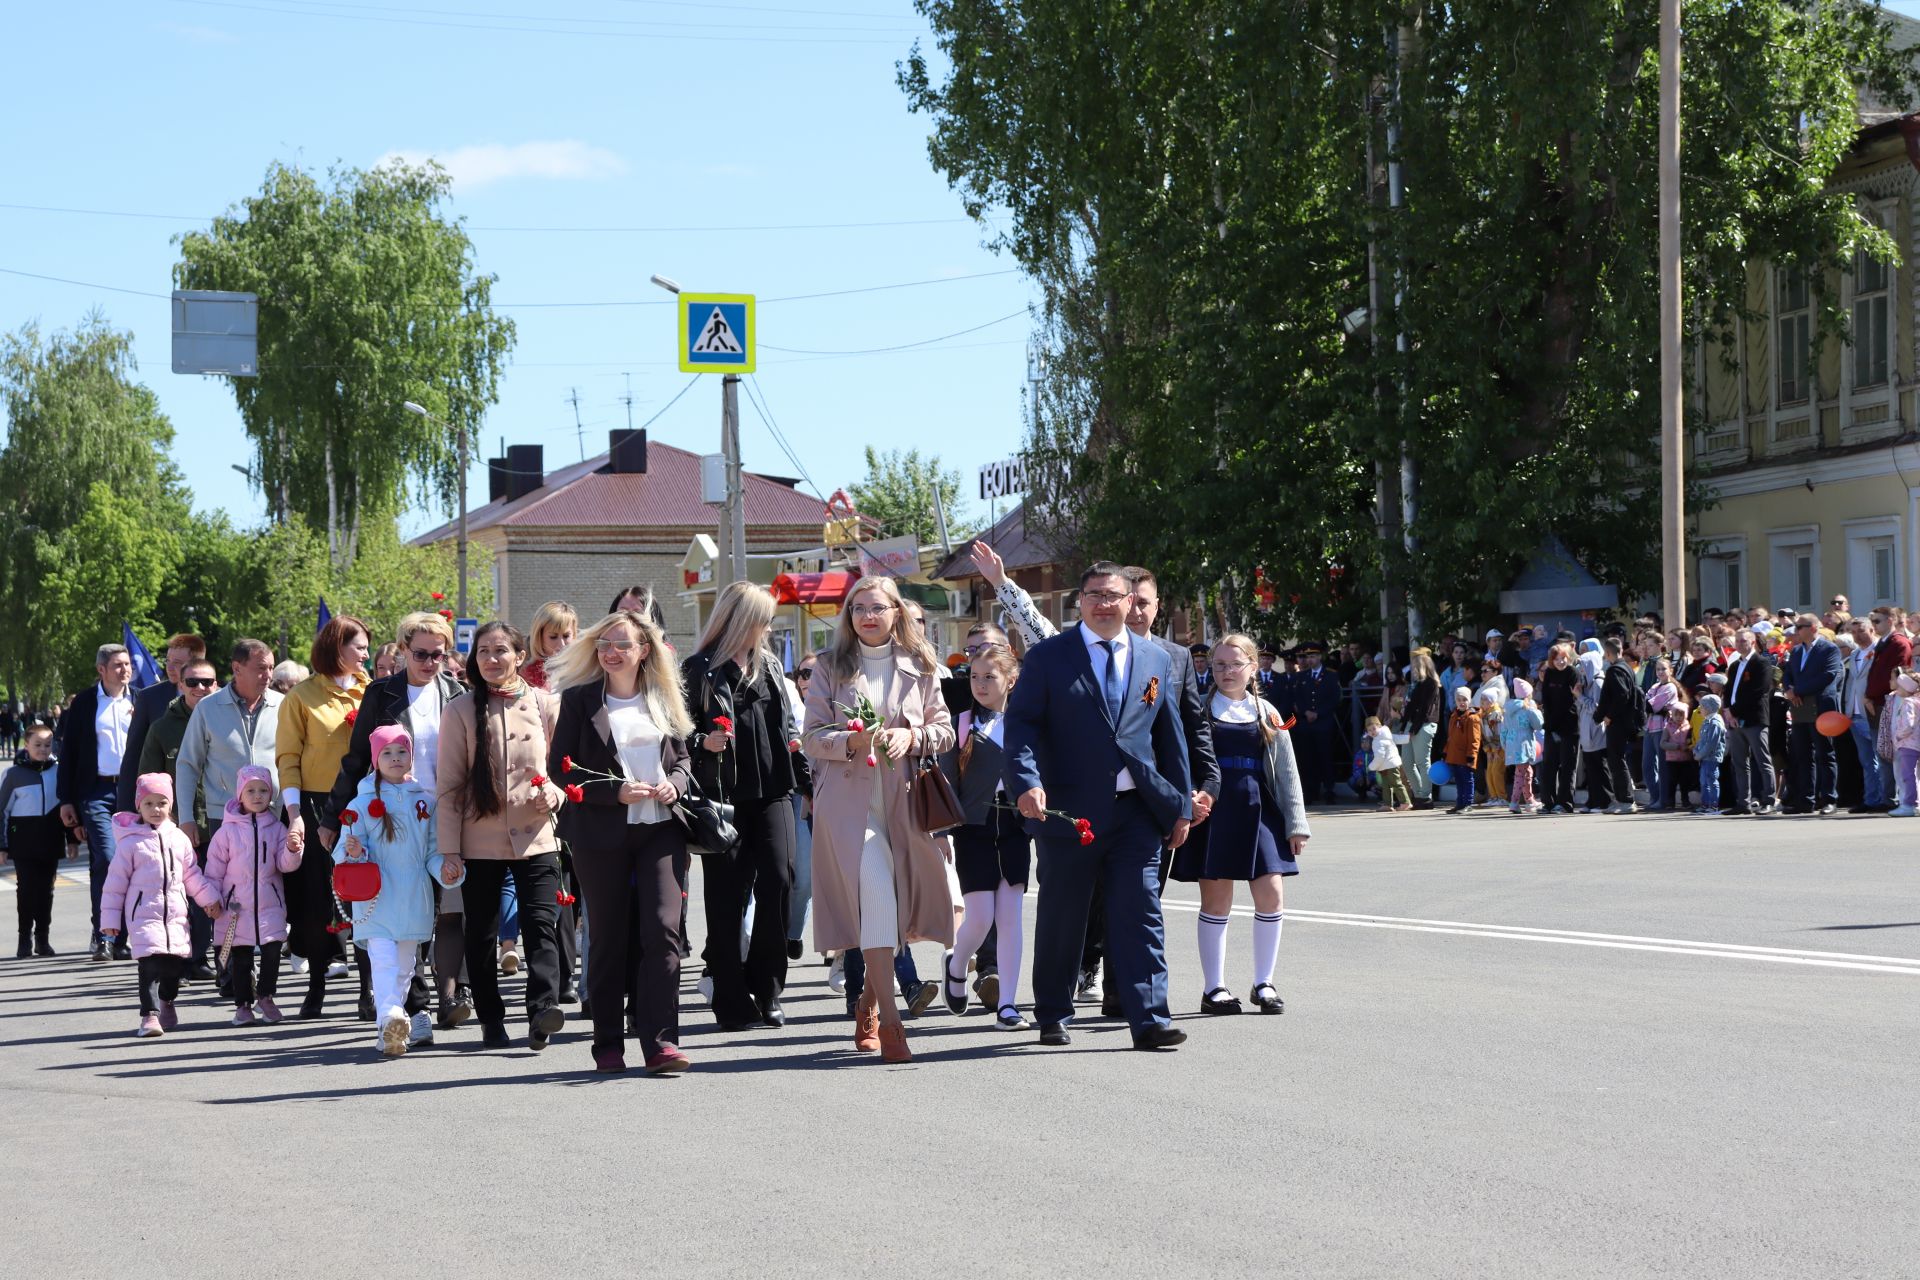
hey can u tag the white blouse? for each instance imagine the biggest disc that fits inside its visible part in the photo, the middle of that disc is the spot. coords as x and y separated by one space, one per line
1235 710
637 739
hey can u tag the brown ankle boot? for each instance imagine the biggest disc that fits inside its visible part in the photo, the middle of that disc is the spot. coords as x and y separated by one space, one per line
866 1023
893 1042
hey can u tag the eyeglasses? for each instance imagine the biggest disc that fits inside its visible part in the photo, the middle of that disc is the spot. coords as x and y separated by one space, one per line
618 646
1104 597
871 610
979 647
804 673
1231 666
421 655
199 682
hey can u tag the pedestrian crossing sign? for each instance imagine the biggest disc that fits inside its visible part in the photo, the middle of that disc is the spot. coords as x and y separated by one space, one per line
716 333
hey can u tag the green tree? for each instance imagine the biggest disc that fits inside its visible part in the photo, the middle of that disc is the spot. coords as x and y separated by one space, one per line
77 424
368 299
900 491
109 566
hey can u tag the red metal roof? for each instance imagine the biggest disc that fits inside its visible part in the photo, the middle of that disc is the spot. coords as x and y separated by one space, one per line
665 496
813 588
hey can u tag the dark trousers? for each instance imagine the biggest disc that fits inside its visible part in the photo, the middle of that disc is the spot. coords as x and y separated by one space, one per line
96 816
1556 769
240 968
310 903
1813 763
35 845
160 981
1750 766
199 927
1620 742
1599 792
763 867
1124 861
1313 743
639 947
536 881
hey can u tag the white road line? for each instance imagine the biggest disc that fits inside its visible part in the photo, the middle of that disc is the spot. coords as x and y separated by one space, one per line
1899 966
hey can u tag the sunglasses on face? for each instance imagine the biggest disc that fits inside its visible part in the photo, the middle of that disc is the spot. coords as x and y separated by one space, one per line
805 673
199 682
421 655
618 646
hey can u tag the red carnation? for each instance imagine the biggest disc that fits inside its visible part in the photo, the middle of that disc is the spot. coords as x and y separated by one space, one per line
376 808
348 817
439 596
1086 837
566 764
793 744
575 793
723 723
353 713
538 780
447 614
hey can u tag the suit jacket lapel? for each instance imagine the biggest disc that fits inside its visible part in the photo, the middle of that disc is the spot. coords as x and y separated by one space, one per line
1092 676
1132 684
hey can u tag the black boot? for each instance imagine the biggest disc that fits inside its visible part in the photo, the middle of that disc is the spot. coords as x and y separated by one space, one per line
26 945
316 991
41 947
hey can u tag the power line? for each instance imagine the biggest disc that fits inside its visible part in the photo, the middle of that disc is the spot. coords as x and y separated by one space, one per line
526 30
895 23
771 226
904 346
86 284
756 398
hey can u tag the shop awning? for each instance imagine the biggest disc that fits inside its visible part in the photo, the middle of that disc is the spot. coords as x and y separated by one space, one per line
813 588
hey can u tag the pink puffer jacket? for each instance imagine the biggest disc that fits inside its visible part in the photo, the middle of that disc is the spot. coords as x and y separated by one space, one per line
245 861
148 883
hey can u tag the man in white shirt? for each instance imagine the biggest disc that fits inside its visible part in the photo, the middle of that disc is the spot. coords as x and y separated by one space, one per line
93 747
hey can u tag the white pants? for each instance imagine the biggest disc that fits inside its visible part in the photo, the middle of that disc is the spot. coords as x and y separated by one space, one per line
879 909
392 965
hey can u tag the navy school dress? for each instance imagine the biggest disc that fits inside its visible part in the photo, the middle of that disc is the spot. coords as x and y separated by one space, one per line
1246 834
997 847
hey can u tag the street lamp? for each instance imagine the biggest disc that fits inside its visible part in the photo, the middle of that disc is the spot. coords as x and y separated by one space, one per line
460 546
735 523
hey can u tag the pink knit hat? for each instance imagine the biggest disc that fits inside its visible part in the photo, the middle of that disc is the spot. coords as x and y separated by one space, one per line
153 784
253 773
1522 690
387 734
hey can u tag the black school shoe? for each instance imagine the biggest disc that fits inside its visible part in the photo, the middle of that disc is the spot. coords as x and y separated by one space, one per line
493 1035
1159 1038
543 1026
1266 999
1219 1000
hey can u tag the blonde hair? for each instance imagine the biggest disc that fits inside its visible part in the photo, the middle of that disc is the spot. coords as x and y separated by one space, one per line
579 663
554 615
1420 666
1247 647
414 623
741 609
842 657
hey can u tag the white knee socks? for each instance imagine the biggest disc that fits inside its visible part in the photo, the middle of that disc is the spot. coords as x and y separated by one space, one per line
1213 951
972 931
1266 945
1008 908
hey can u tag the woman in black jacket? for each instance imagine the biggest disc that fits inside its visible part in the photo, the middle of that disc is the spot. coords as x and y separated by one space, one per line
621 741
1560 720
1421 723
743 728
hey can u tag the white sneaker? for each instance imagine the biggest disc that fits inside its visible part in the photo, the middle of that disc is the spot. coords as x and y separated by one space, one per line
1904 811
338 969
394 1033
837 975
296 964
705 988
420 1029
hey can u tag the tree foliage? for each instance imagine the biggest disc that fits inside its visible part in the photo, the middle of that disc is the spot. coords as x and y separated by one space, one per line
900 491
1199 191
368 299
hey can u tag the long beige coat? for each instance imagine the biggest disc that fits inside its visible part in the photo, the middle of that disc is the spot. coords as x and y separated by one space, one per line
518 730
843 794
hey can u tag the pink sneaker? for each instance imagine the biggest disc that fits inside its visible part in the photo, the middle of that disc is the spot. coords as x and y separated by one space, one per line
269 1011
169 1019
243 1015
149 1026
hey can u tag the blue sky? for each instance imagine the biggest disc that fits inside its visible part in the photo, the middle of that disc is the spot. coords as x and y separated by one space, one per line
562 114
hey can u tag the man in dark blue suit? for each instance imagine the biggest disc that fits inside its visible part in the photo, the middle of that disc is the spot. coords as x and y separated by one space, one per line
1092 732
1313 694
1812 680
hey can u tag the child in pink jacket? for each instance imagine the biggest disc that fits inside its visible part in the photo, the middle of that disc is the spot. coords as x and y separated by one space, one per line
152 875
249 854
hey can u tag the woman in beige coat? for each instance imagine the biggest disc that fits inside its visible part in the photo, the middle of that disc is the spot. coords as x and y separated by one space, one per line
877 881
496 817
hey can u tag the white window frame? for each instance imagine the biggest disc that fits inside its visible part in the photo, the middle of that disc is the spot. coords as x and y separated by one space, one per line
1864 537
1782 548
1881 396
1716 557
1781 315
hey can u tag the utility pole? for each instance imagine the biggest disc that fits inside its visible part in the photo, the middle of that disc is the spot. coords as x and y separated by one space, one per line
579 432
1402 42
1673 497
736 508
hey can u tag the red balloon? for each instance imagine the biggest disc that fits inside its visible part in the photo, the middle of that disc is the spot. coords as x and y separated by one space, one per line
1834 724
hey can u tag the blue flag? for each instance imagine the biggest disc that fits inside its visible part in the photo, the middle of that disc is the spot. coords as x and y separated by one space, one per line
145 670
325 617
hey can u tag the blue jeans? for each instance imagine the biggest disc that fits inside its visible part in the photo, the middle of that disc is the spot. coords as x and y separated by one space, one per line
1872 781
1710 785
96 815
802 872
509 911
1653 768
1463 785
856 970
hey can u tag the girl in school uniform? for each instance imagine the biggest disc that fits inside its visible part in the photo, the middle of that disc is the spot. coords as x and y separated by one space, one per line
1254 834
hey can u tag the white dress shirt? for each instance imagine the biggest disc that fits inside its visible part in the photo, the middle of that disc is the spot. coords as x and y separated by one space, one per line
638 740
112 717
423 720
1122 661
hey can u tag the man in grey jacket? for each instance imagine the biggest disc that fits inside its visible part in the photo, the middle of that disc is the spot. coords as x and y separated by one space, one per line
231 728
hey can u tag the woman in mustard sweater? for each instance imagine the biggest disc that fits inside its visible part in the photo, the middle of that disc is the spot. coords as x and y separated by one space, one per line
315 729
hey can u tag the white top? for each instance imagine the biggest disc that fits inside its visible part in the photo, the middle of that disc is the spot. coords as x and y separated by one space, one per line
637 739
1122 657
112 717
876 664
424 706
1235 710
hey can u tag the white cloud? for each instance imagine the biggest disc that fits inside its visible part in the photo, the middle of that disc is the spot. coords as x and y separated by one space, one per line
476 166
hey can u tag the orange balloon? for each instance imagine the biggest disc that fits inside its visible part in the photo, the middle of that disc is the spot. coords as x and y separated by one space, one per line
1834 724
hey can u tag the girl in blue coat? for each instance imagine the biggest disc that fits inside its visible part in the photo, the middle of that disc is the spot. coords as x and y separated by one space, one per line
391 823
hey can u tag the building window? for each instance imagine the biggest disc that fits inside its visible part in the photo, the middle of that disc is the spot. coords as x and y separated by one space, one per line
1873 561
1883 571
1793 558
1723 575
1734 594
1796 336
1803 578
1872 296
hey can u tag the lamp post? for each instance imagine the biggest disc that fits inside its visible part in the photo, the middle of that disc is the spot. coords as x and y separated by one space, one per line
1673 497
734 512
460 546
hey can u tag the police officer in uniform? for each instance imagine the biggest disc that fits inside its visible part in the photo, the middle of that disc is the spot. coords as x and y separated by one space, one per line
1314 703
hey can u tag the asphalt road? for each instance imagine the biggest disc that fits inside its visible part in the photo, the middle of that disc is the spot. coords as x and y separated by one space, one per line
1592 1046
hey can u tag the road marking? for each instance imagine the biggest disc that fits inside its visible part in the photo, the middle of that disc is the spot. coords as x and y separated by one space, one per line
1899 966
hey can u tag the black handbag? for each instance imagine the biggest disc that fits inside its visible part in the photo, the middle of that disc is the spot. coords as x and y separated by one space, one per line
710 828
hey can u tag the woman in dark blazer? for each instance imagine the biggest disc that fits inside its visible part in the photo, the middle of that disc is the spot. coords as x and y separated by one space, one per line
620 750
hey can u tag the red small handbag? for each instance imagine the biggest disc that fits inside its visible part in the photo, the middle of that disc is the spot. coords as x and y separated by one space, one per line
356 881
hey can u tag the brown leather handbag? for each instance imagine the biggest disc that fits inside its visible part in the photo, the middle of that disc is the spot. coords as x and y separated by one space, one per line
931 802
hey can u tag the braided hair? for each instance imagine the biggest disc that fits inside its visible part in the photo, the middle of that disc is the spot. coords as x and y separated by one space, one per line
479 795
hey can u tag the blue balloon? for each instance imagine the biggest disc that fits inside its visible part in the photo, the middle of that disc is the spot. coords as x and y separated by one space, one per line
1441 773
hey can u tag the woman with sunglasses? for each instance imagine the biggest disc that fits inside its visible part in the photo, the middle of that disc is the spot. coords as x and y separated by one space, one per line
413 697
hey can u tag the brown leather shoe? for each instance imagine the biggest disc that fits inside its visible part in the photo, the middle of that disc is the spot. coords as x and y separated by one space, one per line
866 1023
893 1043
